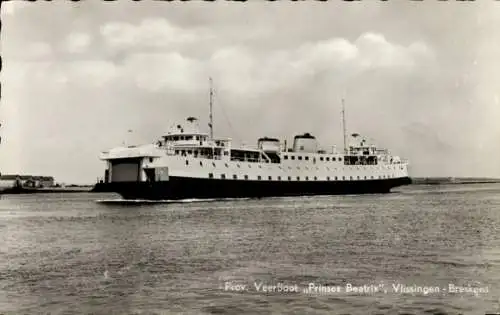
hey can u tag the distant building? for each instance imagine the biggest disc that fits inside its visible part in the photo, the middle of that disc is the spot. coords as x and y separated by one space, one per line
11 180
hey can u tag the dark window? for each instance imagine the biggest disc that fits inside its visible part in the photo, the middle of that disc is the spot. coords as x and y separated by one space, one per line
365 177
336 178
213 164
328 178
358 177
226 165
190 152
371 177
333 159
201 163
315 178
270 178
279 177
223 176
343 177
307 177
340 159
238 165
176 151
259 177
300 158
298 177
225 153
286 157
187 162
306 158
235 176
210 175
350 177
289 177
246 176
293 157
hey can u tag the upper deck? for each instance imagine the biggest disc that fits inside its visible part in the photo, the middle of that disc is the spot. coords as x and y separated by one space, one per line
186 140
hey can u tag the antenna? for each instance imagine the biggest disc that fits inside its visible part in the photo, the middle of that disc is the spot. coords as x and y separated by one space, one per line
210 124
344 126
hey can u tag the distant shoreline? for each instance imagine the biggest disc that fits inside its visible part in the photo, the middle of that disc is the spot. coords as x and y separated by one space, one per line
46 190
453 181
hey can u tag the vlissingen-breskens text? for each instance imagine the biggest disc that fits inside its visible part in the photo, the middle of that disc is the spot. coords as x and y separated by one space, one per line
414 289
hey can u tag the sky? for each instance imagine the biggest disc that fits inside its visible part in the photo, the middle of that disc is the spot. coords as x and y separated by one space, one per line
420 78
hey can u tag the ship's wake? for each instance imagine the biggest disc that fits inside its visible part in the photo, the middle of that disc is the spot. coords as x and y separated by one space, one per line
164 201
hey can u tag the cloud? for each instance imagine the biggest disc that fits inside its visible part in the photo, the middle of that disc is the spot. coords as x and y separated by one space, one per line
78 42
95 73
155 71
150 33
243 69
11 7
35 51
238 69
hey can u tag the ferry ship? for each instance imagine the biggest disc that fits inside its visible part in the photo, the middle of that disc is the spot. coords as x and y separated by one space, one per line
186 163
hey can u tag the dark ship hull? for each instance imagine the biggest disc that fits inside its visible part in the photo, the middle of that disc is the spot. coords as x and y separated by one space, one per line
199 188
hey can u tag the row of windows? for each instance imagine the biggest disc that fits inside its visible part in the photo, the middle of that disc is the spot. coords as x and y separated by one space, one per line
223 176
306 158
176 138
202 153
250 166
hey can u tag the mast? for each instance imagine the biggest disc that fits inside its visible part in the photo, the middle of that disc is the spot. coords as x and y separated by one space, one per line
344 127
210 124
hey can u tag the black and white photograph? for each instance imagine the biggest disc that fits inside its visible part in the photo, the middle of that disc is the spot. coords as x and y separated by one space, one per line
250 157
